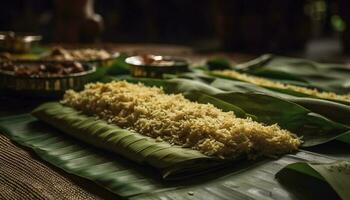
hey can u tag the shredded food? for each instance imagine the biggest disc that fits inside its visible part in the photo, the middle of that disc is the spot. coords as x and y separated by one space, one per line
275 84
176 120
61 54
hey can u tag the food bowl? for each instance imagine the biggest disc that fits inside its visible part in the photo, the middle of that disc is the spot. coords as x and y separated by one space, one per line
17 42
83 55
98 57
155 66
31 78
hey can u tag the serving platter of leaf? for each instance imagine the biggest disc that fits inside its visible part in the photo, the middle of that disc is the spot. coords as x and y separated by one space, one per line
233 137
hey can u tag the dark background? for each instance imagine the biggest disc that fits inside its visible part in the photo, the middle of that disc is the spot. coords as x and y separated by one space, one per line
281 26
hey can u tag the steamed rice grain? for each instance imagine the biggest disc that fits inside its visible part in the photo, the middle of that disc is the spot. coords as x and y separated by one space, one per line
174 119
275 84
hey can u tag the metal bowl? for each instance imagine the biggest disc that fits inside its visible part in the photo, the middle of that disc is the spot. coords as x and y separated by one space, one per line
113 56
45 86
17 42
162 65
102 65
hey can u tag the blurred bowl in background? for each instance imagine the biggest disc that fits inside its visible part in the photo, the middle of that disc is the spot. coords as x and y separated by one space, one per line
17 42
41 78
156 66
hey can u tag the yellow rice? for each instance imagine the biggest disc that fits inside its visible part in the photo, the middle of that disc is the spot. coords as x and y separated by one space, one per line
174 119
275 84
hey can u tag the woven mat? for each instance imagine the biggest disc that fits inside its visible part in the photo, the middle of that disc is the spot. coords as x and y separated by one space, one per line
24 176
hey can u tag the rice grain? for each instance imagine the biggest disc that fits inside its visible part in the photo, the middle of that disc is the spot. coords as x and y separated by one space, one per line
275 84
174 119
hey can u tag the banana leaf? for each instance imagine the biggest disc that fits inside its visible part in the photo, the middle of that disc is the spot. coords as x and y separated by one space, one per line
314 128
335 111
80 163
297 71
172 161
243 183
243 180
119 66
116 174
283 91
246 180
336 174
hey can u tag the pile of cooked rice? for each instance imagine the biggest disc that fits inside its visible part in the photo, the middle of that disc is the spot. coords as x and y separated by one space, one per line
274 84
174 119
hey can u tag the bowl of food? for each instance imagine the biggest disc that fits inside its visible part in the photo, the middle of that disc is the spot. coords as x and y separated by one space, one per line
83 55
17 42
156 66
44 78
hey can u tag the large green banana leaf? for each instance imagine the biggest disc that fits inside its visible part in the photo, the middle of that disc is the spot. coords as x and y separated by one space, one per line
335 111
119 175
303 72
282 91
238 180
304 180
243 180
314 128
173 161
336 174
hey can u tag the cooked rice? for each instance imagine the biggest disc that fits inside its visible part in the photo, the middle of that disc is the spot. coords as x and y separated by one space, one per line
275 84
172 118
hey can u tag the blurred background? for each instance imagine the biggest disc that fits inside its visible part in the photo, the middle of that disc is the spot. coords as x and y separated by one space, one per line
310 28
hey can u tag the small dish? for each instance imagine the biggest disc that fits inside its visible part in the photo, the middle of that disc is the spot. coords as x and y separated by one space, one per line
83 55
17 42
46 83
156 66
